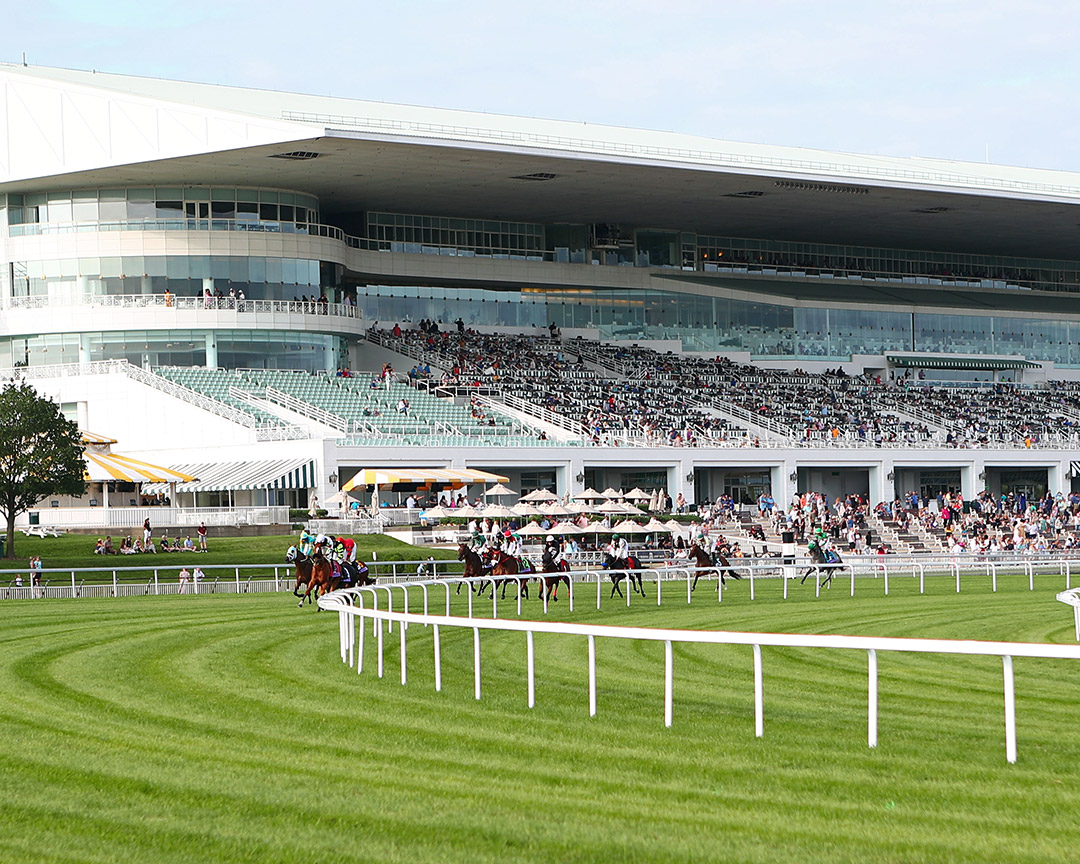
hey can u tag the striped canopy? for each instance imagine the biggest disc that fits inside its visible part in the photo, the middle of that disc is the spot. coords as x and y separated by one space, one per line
420 477
236 476
104 467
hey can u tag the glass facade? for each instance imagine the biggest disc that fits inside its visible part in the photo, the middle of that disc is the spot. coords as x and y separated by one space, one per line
236 349
718 324
483 236
158 202
70 280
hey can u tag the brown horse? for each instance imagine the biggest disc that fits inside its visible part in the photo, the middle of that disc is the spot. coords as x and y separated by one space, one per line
507 565
628 571
549 584
705 565
317 574
474 564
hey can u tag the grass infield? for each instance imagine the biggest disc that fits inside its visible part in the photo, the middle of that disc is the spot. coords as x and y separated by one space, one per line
225 728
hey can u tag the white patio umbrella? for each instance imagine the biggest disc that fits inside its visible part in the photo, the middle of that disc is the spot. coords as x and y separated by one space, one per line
565 528
677 527
439 512
655 524
555 509
468 512
629 508
589 494
610 507
499 491
611 494
531 530
540 495
596 528
497 511
636 494
524 508
628 526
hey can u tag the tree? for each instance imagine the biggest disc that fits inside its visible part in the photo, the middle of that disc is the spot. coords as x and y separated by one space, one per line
41 454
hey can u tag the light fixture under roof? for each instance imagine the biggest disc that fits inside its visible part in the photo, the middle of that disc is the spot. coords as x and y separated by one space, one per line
932 210
297 155
539 176
821 187
750 193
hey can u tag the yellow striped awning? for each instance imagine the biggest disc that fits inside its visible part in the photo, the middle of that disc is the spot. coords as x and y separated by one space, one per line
103 467
420 477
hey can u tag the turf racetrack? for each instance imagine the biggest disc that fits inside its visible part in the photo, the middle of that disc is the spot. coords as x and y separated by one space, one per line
226 729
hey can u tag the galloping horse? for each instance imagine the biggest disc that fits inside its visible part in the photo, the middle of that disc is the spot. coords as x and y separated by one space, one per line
508 565
549 584
630 571
705 565
827 561
316 573
474 564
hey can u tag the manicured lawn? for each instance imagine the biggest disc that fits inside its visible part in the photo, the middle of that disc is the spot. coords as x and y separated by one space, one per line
225 728
76 550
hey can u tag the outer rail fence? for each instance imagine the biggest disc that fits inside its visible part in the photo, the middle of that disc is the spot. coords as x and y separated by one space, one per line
161 576
352 614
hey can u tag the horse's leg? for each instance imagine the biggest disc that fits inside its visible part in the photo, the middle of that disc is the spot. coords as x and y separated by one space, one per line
697 576
615 587
809 570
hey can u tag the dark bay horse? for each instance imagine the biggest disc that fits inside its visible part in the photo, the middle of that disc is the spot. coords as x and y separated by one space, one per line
315 572
552 575
474 564
822 561
508 565
632 570
705 565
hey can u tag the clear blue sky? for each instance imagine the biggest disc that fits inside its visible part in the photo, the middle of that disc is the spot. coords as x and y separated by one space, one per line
943 79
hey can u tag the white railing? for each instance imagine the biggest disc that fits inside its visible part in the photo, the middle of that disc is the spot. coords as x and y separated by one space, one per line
353 613
1072 598
160 517
173 301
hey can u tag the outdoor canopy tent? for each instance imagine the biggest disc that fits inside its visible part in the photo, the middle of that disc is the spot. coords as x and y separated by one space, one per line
420 477
235 476
107 467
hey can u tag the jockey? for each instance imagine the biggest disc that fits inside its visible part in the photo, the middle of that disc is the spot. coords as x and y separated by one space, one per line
619 548
350 549
324 546
553 550
306 543
513 545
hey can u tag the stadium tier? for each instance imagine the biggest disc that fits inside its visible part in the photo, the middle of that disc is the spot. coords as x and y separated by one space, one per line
201 271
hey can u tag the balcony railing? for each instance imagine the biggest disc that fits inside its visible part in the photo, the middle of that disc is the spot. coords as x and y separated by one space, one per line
173 301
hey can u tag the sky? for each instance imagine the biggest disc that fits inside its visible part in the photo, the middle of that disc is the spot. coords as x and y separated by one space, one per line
951 79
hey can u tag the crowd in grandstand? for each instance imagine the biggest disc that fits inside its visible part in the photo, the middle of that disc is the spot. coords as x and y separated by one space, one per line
620 394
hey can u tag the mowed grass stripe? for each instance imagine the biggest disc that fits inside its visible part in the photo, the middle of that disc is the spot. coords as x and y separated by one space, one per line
226 728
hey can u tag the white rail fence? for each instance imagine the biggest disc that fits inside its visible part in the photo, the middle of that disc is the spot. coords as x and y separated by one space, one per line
353 613
1072 598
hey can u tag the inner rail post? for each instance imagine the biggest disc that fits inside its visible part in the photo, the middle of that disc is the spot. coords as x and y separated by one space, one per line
872 698
476 661
1010 709
668 664
530 663
759 701
438 658
592 675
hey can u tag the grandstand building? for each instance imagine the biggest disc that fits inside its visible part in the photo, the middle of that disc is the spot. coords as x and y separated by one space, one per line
186 267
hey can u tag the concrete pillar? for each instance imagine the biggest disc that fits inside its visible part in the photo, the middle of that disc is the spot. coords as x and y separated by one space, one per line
82 414
145 286
1057 477
882 477
84 349
973 479
575 469
211 350
331 358
684 481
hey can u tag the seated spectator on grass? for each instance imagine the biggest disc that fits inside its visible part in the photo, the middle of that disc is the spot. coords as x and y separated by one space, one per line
99 547
189 544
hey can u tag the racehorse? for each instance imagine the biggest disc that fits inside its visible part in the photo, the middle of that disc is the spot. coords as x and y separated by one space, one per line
474 564
705 564
508 565
823 560
630 571
354 574
549 585
316 573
